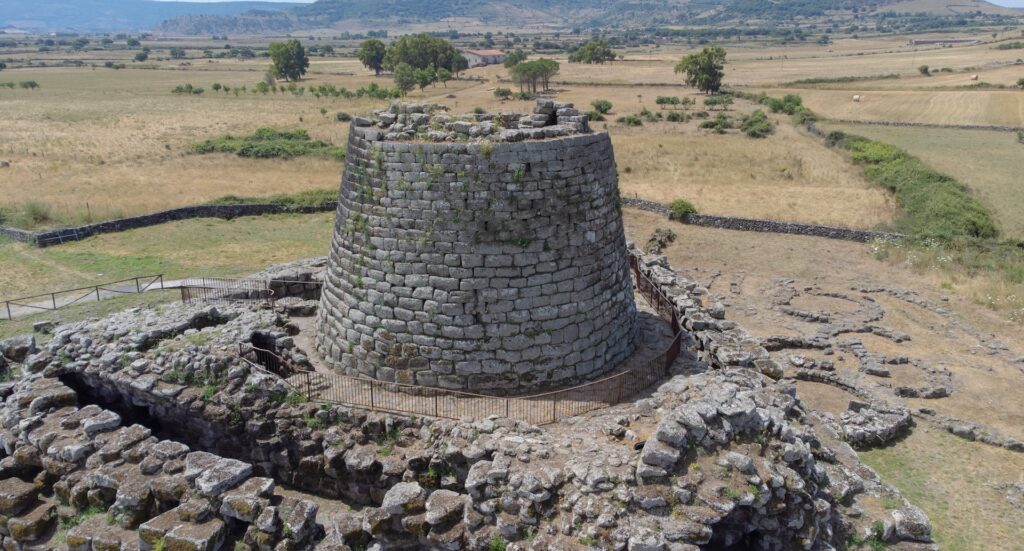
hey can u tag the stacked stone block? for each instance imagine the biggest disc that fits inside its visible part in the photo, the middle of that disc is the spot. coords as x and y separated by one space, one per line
478 265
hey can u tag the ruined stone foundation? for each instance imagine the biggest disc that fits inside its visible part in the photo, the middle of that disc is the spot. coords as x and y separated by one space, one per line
495 263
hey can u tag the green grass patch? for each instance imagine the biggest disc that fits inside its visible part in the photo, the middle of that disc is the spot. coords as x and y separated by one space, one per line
935 205
271 143
838 80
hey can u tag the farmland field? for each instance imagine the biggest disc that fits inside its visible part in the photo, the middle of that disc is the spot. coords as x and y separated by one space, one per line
990 163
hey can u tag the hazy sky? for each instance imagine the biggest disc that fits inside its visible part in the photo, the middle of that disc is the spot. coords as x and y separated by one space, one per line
1014 3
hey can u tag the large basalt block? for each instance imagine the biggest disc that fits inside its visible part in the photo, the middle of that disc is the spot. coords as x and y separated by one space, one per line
478 266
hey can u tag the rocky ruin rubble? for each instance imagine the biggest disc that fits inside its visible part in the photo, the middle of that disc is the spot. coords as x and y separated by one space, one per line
189 447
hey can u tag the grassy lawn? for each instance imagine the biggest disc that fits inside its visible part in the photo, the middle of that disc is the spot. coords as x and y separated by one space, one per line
205 246
990 163
954 482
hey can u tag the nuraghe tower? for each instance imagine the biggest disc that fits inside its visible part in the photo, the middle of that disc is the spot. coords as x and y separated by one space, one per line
482 253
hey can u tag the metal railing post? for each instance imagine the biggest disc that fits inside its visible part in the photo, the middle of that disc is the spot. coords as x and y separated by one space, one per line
53 297
138 288
371 395
8 303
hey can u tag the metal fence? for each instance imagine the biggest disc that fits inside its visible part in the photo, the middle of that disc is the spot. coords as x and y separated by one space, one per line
537 409
62 299
220 289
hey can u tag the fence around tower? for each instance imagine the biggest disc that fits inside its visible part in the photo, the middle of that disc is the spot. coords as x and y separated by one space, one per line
538 409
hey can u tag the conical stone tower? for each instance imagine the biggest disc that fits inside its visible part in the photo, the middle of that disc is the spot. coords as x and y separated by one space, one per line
482 253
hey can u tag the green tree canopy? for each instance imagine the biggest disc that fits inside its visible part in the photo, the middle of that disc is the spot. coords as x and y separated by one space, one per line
529 74
371 54
288 59
593 51
420 51
515 58
405 77
704 70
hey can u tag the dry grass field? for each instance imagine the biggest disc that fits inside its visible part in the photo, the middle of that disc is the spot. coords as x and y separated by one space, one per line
990 163
96 144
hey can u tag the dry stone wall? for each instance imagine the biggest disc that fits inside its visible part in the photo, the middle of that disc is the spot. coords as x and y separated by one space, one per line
480 265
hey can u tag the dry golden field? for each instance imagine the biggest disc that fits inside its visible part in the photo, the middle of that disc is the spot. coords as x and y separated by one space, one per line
98 144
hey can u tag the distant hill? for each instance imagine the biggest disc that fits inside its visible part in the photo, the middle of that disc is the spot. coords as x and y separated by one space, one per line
252 17
114 15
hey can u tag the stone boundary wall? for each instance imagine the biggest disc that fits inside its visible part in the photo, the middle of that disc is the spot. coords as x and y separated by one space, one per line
997 128
764 226
719 343
64 235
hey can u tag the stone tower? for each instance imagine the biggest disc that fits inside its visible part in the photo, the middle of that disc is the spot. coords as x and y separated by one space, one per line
483 253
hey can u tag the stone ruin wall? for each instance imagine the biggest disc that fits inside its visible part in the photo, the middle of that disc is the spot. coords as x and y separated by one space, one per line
495 265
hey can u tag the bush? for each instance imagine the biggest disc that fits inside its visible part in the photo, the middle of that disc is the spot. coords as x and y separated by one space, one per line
342 117
676 116
719 124
757 125
595 116
936 205
502 93
1020 136
602 106
679 207
924 70
308 198
29 84
270 143
630 120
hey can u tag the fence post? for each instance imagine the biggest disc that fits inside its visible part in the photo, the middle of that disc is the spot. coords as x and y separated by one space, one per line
53 297
436 410
138 288
8 303
554 403
97 293
371 395
619 399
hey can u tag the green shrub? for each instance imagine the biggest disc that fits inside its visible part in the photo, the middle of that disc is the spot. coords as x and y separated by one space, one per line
936 205
719 124
757 125
676 116
595 116
497 544
343 117
502 93
271 143
679 207
602 106
630 120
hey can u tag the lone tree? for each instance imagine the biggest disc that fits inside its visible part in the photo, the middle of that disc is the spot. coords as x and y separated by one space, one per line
289 59
704 70
593 51
924 70
371 54
1020 82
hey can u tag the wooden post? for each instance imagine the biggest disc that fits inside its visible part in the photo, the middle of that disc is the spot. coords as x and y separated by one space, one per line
435 405
53 297
138 288
97 293
8 303
371 395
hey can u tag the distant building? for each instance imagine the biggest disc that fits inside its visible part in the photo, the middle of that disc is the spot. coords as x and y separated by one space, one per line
482 58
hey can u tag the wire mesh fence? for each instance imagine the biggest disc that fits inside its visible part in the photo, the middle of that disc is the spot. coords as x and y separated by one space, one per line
538 409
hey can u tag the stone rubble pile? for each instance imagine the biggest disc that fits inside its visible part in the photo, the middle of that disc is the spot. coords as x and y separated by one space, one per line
720 456
431 122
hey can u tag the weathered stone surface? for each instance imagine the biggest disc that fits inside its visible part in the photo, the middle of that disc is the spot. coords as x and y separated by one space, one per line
505 265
